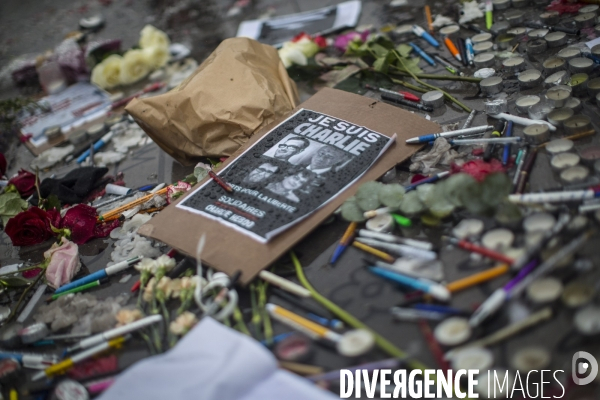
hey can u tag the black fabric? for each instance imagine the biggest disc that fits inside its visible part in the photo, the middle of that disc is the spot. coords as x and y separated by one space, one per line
74 187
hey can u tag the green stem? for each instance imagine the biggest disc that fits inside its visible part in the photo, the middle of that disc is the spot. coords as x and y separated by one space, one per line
262 302
148 343
239 322
40 266
437 77
448 96
16 308
256 315
409 85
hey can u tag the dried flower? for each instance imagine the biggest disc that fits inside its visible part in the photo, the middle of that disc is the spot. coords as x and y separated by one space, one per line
125 316
64 263
135 66
183 323
107 74
152 37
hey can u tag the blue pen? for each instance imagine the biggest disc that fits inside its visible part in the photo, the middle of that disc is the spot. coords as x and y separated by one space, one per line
431 179
103 273
470 50
433 288
506 154
458 132
439 309
331 323
420 32
422 54
97 146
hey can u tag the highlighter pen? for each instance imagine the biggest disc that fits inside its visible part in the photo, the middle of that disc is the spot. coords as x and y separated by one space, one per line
451 68
489 17
97 146
506 153
433 288
103 273
422 53
420 32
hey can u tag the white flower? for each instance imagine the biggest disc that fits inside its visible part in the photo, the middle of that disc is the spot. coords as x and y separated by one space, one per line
307 46
148 290
164 287
157 56
152 37
135 66
183 323
165 262
107 74
147 265
290 55
126 316
175 287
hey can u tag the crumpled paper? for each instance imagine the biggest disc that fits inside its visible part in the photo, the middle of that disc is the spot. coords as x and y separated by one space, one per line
241 87
440 154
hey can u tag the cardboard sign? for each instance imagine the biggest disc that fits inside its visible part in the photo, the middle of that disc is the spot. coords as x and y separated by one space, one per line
229 250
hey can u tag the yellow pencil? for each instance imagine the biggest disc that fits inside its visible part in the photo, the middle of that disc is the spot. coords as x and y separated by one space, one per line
304 325
132 204
429 20
348 234
478 278
374 251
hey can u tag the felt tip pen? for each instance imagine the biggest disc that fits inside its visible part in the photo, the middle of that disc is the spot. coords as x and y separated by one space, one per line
386 237
304 325
97 146
400 249
33 361
489 16
404 95
432 288
103 273
452 48
439 308
431 179
400 100
67 364
469 119
470 51
462 49
528 164
508 134
520 162
401 268
402 220
420 32
116 332
422 53
459 132
428 18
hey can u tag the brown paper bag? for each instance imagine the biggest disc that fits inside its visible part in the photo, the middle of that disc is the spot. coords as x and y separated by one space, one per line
241 87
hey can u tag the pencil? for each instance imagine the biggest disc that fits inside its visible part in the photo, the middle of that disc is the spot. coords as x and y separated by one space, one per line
374 251
429 19
478 278
220 181
132 204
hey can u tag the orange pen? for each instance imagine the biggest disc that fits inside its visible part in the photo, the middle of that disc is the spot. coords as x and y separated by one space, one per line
452 48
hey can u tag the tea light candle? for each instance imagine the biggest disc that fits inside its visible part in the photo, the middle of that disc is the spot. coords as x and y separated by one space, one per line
514 64
550 17
450 30
538 33
501 4
482 47
556 39
481 37
559 146
579 65
578 124
553 64
491 85
537 134
595 50
540 110
559 115
591 8
538 222
574 174
563 161
498 239
500 27
506 41
484 60
514 17
537 46
593 87
574 104
558 95
586 20
524 103
557 78
434 98
520 3
530 78
590 155
568 53
496 106
519 32
579 83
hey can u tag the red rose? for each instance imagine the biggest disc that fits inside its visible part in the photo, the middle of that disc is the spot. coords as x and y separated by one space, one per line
81 220
24 182
29 227
320 41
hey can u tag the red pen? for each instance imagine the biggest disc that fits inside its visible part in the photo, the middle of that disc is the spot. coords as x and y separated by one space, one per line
150 88
404 95
480 250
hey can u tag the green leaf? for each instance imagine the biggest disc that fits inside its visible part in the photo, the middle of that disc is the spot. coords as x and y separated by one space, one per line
367 195
380 40
404 50
52 202
496 187
357 48
351 211
391 195
10 205
412 65
379 50
381 65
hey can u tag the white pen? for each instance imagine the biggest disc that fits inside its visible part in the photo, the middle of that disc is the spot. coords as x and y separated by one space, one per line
500 140
386 237
554 197
522 121
400 249
113 333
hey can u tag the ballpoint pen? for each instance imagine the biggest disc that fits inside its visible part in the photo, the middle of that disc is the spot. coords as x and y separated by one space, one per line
451 68
520 163
474 28
431 179
489 17
114 333
459 132
33 361
67 364
401 249
469 119
97 146
404 95
413 314
508 134
558 28
386 237
420 32
452 48
432 288
103 273
77 289
484 251
470 51
344 242
400 100
528 164
422 53
428 18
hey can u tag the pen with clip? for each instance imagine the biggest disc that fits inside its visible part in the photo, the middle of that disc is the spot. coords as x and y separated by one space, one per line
422 53
435 289
404 95
452 48
470 51
103 273
420 32
116 332
431 179
459 132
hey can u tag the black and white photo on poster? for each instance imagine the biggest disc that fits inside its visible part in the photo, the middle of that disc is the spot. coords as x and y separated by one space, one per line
292 171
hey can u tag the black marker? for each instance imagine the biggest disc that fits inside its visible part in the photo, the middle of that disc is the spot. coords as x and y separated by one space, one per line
399 100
